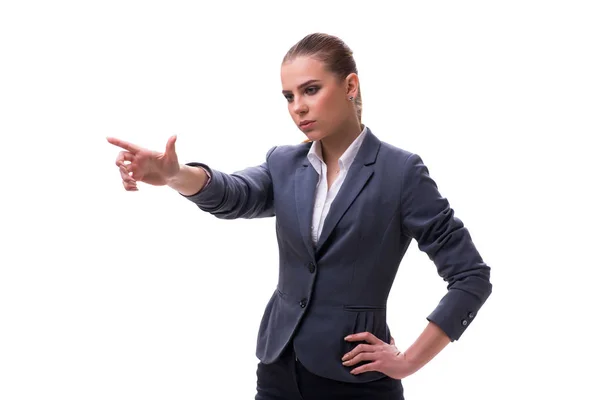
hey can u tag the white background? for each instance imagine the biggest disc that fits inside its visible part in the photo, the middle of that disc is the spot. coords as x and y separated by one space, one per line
107 294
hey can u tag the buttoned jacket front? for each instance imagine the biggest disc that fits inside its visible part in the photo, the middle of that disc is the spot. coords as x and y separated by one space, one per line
341 285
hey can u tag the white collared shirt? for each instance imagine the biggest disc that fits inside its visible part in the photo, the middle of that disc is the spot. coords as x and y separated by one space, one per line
324 196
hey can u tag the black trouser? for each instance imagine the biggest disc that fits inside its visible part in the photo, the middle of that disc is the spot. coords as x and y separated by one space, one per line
288 379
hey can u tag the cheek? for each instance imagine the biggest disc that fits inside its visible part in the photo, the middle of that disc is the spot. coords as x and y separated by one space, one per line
325 104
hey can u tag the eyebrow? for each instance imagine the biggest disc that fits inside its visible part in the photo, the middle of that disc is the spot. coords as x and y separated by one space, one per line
302 85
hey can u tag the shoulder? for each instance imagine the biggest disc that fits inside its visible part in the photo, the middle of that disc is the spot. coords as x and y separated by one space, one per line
289 154
405 164
397 156
388 156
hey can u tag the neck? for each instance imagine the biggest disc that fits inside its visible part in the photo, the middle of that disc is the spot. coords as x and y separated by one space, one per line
334 145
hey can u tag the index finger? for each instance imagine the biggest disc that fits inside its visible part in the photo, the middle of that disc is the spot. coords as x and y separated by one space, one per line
366 336
123 144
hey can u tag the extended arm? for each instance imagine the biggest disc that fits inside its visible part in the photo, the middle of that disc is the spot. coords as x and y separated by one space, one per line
243 194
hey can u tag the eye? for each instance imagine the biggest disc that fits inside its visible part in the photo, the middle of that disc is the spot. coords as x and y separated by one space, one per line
312 90
288 97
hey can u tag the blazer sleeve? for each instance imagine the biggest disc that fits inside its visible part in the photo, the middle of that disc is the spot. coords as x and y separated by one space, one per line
429 219
243 194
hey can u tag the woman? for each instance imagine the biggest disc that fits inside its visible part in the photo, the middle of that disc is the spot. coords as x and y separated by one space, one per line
347 206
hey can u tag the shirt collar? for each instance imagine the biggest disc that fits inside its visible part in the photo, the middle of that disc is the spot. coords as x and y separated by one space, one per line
315 154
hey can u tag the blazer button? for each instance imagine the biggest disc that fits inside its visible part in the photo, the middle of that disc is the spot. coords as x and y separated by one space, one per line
471 315
464 322
311 267
303 303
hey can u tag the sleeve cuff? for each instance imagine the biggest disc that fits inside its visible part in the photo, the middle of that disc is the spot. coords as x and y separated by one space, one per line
455 312
211 194
208 172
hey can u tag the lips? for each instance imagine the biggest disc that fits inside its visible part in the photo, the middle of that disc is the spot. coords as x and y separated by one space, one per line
306 124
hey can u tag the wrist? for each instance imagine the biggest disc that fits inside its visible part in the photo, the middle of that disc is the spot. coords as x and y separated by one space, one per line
190 180
414 363
176 177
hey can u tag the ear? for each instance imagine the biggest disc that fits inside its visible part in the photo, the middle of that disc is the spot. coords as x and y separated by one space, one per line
352 85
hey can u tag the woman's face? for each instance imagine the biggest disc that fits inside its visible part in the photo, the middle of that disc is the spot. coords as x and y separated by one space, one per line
317 99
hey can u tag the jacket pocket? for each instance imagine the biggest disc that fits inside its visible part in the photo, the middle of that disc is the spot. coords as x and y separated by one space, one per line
348 307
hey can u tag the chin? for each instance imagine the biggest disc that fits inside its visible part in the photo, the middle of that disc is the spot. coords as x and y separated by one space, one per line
314 135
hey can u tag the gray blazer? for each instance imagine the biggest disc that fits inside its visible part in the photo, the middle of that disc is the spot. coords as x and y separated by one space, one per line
341 285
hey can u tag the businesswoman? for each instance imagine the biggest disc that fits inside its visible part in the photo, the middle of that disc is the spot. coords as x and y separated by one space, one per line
347 206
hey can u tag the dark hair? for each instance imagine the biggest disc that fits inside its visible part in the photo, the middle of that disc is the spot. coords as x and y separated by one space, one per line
332 52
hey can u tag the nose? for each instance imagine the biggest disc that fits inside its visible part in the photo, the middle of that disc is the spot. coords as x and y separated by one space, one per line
300 107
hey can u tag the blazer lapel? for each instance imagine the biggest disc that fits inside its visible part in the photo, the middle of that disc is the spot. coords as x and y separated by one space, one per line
358 175
306 185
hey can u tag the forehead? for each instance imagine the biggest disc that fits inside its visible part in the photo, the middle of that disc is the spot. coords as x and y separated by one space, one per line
302 69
